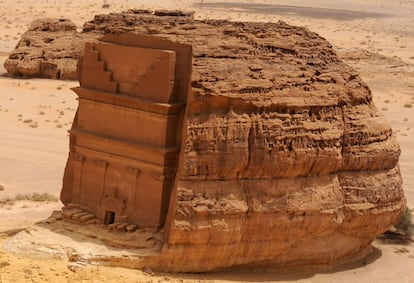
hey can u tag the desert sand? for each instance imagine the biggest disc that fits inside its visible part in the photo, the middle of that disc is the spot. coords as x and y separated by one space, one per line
375 37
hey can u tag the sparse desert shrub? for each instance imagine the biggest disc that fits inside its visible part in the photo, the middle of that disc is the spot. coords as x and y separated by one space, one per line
105 6
20 197
405 224
384 109
44 197
402 250
36 197
6 201
408 105
1 188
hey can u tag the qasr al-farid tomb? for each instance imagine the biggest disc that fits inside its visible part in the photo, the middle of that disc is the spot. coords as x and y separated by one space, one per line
126 136
239 143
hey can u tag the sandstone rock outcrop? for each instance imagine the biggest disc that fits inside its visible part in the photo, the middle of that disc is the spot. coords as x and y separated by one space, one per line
284 157
49 49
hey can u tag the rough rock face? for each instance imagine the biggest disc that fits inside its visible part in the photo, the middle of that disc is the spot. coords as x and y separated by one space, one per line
285 159
49 49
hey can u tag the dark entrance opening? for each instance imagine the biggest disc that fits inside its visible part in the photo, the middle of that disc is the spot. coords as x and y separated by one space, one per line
109 217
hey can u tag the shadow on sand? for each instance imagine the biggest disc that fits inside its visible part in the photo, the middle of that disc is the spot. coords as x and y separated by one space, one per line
268 273
271 274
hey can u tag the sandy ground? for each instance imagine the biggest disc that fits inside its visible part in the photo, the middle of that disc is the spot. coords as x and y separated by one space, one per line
374 36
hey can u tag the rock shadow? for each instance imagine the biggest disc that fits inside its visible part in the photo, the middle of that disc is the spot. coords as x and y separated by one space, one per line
273 274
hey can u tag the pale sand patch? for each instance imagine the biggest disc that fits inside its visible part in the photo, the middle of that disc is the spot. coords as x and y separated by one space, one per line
34 156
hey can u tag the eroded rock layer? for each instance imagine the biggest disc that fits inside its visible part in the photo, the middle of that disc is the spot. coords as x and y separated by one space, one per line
49 49
284 157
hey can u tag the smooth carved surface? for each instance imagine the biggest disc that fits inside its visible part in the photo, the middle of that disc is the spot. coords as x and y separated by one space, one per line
91 63
284 157
124 139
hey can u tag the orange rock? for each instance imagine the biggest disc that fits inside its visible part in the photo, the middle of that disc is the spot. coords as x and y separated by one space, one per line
49 49
278 157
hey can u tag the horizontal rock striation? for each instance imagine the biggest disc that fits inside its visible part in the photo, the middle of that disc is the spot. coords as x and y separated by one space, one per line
284 157
50 48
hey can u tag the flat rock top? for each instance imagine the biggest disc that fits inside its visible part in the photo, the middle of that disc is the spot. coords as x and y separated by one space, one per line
247 60
238 60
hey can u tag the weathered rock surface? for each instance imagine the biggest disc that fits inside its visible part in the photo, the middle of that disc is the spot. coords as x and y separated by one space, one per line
49 49
285 159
